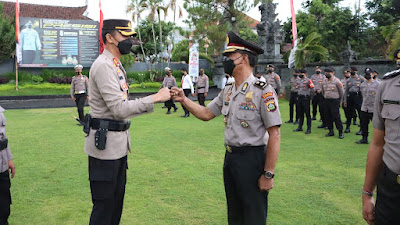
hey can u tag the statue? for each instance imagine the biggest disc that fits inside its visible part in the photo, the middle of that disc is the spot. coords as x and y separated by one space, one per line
348 55
270 35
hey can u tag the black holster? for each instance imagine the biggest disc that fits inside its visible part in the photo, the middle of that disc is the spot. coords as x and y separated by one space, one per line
100 137
86 124
3 144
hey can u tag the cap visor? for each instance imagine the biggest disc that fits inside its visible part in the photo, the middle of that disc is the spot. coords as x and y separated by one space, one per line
128 33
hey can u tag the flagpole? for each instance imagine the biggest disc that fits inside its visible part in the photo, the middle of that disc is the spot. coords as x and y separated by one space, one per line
16 73
17 42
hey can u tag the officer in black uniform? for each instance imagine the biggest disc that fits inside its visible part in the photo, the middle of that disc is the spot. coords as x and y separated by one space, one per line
353 97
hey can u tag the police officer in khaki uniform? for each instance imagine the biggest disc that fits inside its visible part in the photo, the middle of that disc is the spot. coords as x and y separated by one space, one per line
383 160
368 89
79 90
332 89
6 167
169 81
317 98
202 87
273 79
352 96
108 141
294 89
305 90
250 109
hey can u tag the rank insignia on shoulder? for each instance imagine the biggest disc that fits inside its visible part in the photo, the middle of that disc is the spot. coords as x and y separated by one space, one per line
261 84
394 73
244 88
230 83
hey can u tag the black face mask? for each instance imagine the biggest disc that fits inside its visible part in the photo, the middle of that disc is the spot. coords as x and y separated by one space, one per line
301 76
125 46
201 73
229 66
353 73
318 72
367 76
295 75
78 73
270 71
328 76
226 77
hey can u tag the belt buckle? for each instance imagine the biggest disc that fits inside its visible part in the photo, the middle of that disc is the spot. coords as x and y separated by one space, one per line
228 148
398 179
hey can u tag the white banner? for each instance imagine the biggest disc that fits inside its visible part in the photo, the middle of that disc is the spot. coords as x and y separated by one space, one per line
194 61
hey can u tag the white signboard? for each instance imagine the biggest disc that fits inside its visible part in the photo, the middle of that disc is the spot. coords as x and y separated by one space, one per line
194 61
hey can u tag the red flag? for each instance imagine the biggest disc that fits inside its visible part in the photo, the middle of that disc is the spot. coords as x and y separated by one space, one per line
294 25
101 42
17 21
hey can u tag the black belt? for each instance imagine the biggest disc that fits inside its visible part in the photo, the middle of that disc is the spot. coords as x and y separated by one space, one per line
243 149
113 125
354 93
303 96
390 174
200 87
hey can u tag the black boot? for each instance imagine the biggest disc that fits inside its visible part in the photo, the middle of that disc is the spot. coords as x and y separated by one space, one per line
314 118
355 121
175 108
308 130
359 132
341 136
364 140
331 133
322 126
169 111
347 130
296 122
289 121
298 129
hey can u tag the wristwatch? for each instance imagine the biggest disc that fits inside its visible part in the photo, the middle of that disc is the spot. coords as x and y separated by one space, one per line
269 174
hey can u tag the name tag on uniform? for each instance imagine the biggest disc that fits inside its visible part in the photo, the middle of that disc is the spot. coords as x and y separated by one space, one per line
393 102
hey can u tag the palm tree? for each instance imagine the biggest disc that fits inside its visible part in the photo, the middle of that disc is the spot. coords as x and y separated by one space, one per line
308 48
391 33
135 7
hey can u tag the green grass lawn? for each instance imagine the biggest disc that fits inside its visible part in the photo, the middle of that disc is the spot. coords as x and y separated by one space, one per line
175 172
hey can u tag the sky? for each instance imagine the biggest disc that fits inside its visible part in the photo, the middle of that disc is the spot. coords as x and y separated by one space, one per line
113 9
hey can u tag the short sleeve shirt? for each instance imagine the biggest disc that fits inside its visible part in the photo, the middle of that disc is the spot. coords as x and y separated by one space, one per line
249 110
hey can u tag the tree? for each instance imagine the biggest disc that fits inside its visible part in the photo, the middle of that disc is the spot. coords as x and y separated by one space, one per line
308 48
7 37
135 7
213 19
147 26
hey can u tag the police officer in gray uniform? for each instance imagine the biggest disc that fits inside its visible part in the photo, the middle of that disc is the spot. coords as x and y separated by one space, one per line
79 90
6 167
169 81
317 98
273 78
108 140
305 90
294 89
383 160
250 109
332 89
352 96
369 89
202 85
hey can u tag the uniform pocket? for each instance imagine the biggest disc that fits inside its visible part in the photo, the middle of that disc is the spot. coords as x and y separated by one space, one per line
245 115
391 114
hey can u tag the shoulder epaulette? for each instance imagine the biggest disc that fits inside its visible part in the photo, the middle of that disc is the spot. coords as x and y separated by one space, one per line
230 83
261 84
392 74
